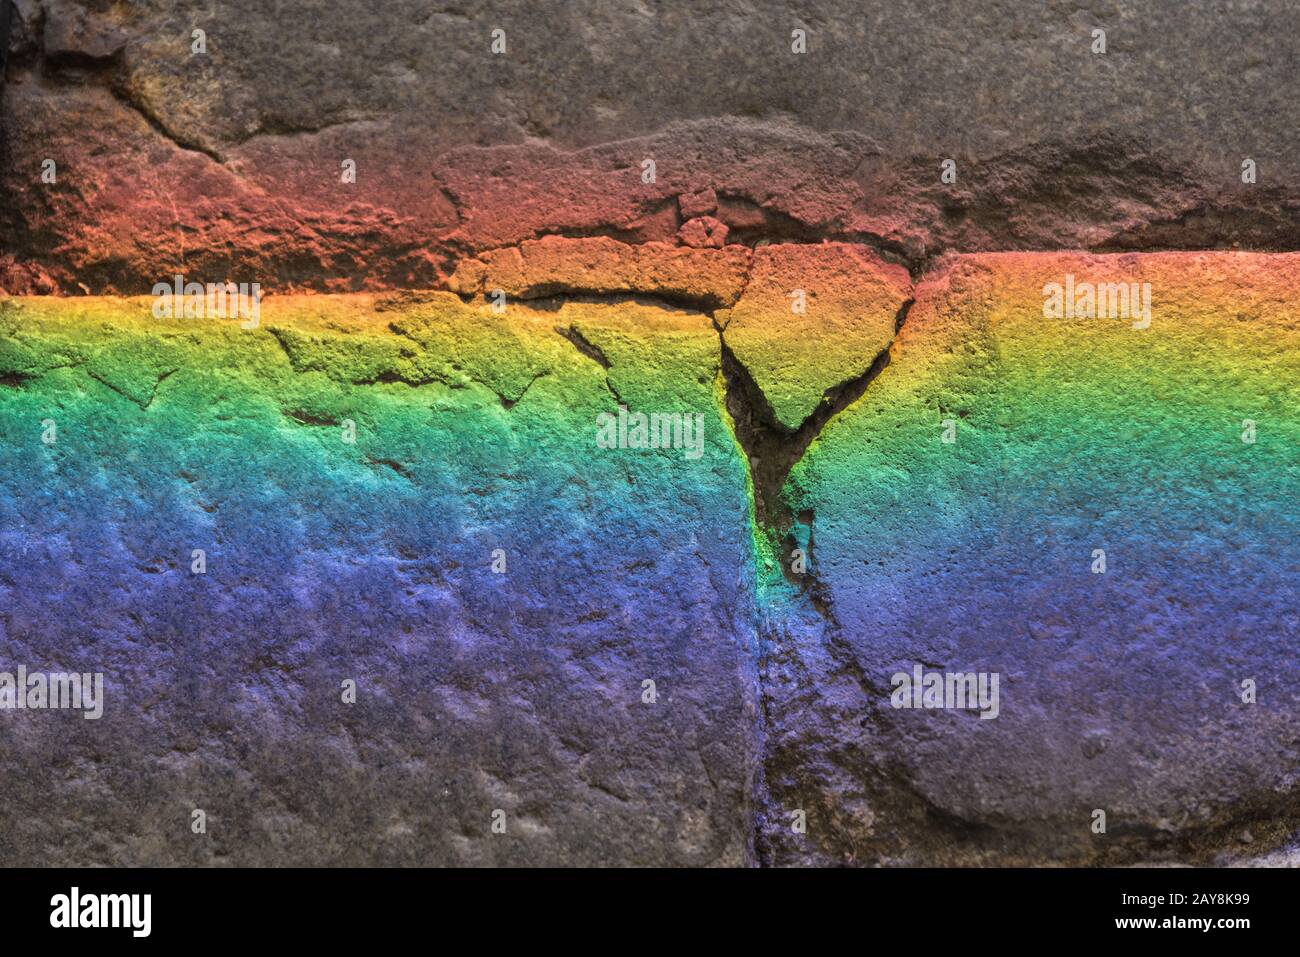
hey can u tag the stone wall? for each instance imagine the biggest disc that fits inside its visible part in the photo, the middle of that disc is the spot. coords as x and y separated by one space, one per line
626 402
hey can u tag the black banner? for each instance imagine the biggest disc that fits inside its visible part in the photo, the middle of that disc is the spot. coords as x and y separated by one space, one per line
335 907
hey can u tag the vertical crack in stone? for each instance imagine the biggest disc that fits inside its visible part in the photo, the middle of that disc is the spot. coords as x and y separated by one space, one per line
770 453
6 13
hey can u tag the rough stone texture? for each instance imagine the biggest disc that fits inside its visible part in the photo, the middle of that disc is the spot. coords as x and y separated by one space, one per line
230 159
522 691
371 561
653 179
1119 690
600 265
912 77
704 231
72 32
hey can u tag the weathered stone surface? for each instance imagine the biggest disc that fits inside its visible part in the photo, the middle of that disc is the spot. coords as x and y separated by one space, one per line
73 34
231 158
704 231
1120 690
371 561
522 691
987 80
657 179
601 265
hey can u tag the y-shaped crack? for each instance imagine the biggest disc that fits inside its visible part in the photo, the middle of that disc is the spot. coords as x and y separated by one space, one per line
771 451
